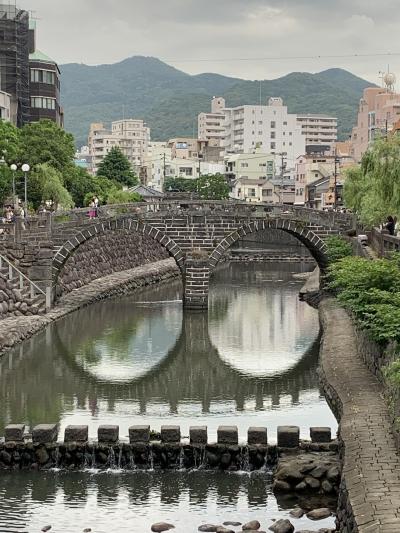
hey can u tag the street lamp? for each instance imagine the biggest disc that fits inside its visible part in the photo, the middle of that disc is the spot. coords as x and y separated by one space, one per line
25 169
14 169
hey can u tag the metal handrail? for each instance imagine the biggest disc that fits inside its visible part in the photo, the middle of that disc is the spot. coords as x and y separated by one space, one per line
22 277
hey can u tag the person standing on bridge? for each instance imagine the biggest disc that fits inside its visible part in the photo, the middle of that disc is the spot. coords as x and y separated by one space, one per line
390 225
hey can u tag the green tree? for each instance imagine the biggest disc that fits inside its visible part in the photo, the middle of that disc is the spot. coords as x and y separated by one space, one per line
115 166
373 188
180 185
213 187
118 196
9 142
45 184
45 142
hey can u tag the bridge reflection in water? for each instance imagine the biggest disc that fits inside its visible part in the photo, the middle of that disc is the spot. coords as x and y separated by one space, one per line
251 360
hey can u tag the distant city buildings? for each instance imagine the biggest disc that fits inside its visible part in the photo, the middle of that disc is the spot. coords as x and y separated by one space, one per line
132 136
378 112
318 130
29 80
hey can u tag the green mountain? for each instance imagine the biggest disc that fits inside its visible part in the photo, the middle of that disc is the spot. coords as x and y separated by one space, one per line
169 100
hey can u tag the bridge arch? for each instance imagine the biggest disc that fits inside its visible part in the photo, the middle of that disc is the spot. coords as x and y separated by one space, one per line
72 243
313 242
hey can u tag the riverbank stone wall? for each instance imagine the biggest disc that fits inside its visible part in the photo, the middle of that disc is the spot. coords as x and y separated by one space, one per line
109 252
370 484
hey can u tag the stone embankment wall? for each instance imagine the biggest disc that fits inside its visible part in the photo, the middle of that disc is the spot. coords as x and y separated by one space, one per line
369 499
316 462
269 256
110 252
16 302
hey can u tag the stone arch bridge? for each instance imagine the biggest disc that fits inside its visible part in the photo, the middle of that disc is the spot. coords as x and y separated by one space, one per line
195 233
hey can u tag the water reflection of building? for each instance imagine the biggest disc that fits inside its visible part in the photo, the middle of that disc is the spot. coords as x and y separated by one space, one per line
44 378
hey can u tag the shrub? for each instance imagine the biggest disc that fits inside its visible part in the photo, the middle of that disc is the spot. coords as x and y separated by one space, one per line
338 248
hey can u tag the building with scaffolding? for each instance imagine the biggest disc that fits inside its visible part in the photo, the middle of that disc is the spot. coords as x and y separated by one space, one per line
29 78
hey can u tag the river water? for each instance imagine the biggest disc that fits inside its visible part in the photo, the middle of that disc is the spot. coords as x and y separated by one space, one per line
251 360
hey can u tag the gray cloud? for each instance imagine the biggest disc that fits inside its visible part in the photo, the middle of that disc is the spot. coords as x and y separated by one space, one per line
184 32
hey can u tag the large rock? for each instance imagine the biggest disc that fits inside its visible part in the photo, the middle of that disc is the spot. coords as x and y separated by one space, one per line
297 513
208 528
159 527
282 526
253 525
319 514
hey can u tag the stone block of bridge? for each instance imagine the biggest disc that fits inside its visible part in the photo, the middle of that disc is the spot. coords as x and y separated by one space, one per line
139 434
170 434
257 435
108 434
196 280
198 434
45 433
14 432
227 435
288 436
76 434
320 434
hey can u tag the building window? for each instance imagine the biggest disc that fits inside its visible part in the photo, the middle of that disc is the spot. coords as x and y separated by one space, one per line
187 171
244 165
43 76
267 192
273 124
260 133
273 135
39 102
285 123
251 192
273 146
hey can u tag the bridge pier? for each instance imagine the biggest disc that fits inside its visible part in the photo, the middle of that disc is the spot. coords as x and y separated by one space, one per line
196 277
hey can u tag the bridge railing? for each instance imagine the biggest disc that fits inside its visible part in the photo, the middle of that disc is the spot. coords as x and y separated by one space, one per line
241 209
383 243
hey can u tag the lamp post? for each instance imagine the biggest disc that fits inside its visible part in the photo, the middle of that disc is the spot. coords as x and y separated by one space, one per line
25 169
14 168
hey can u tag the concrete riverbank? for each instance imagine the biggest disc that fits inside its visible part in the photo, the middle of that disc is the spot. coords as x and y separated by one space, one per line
14 330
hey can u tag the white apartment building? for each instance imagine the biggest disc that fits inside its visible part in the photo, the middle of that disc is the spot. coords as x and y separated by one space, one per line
319 130
211 126
130 135
270 128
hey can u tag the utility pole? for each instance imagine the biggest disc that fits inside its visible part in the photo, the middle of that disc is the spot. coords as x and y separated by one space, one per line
163 170
335 181
283 165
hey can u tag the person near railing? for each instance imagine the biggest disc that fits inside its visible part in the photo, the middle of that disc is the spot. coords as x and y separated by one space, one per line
390 225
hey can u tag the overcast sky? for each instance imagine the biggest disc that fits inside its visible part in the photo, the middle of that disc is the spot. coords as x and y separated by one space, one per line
183 32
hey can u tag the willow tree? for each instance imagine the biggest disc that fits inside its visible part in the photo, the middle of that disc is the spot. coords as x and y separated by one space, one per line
373 188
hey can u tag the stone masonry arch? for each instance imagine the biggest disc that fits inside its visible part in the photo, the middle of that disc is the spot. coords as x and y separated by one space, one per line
313 242
73 242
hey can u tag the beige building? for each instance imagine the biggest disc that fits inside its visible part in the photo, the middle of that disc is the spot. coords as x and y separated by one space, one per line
378 111
130 135
5 107
187 148
211 125
309 169
318 130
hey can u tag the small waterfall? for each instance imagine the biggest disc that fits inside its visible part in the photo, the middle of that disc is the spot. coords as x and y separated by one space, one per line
199 457
93 458
132 463
151 458
119 464
111 459
244 465
181 459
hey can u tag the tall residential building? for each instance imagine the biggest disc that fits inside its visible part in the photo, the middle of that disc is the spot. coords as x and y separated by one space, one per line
378 111
132 136
319 130
211 125
45 89
270 128
29 77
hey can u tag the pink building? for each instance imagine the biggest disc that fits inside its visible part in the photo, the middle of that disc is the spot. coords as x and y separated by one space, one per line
378 111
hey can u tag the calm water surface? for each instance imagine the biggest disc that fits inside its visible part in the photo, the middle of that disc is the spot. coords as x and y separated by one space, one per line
251 360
